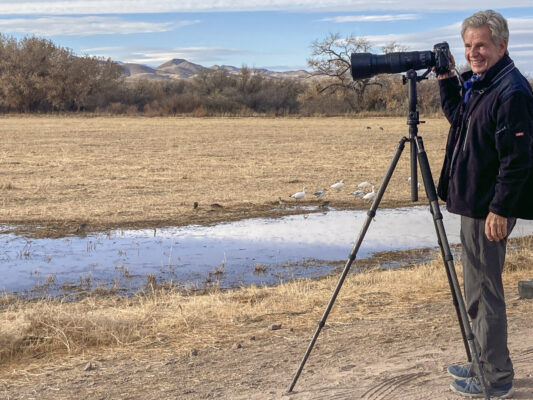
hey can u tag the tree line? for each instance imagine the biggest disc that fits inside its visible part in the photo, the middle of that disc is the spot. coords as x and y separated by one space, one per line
37 76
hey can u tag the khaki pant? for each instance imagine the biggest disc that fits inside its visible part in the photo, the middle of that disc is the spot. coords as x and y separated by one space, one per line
485 302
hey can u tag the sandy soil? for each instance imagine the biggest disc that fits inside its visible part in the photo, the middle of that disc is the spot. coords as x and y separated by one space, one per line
402 357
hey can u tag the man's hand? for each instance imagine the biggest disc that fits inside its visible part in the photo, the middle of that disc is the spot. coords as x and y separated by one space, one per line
495 227
451 72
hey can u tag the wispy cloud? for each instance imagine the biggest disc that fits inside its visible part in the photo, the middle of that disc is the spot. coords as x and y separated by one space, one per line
372 18
70 7
90 25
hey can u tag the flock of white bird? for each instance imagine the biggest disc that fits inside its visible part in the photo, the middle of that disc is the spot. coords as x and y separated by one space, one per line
361 192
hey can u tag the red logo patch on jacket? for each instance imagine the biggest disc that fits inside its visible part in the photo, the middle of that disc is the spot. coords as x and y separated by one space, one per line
519 134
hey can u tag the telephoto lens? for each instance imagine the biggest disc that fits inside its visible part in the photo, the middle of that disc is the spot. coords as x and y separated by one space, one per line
366 65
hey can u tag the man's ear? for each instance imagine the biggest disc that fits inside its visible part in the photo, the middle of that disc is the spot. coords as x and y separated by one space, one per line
502 48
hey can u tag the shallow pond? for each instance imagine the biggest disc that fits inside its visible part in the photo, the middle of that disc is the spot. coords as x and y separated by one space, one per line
260 251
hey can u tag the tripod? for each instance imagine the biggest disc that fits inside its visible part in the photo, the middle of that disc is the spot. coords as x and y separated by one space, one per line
417 152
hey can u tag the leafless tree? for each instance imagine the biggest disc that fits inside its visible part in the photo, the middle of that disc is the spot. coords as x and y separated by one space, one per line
393 47
331 60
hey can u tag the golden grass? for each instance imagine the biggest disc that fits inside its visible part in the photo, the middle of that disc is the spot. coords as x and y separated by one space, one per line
221 318
62 172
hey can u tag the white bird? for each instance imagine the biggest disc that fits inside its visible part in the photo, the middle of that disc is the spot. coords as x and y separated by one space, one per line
338 185
418 184
371 195
320 193
358 193
299 195
364 185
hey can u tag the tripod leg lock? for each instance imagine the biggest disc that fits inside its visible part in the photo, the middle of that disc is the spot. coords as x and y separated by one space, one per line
448 257
371 213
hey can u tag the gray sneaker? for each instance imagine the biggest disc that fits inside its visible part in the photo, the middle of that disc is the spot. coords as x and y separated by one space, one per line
471 388
460 372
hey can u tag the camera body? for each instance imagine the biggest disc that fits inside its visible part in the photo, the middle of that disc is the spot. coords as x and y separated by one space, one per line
366 65
442 58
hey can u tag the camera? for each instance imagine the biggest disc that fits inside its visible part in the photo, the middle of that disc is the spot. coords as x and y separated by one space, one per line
366 65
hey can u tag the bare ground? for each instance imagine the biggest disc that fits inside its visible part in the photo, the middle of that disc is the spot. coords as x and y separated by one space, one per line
403 356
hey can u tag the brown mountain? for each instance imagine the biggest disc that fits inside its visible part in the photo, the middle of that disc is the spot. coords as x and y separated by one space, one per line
181 68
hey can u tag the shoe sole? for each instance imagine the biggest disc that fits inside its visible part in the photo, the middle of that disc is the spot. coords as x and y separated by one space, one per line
507 395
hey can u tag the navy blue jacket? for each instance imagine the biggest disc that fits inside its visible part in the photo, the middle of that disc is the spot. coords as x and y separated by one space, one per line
489 154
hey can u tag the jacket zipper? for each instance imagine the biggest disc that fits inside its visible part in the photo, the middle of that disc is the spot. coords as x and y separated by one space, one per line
458 146
466 135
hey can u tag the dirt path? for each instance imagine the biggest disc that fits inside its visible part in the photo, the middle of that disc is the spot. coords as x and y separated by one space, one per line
403 357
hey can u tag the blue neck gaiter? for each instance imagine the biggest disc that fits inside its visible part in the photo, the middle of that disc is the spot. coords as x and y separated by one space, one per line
468 86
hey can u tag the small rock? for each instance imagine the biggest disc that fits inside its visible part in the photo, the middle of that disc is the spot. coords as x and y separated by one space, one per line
194 352
89 367
275 327
252 337
195 205
237 346
291 330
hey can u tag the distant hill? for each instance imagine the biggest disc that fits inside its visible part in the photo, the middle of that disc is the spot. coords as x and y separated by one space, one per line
180 68
183 69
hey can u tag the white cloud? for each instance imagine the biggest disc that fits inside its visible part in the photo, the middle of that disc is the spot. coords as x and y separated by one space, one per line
372 18
69 7
52 26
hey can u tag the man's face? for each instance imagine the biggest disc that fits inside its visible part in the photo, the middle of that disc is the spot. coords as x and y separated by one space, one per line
480 50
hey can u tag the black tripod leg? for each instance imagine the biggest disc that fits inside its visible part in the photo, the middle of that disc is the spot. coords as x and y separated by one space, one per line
371 213
431 193
454 296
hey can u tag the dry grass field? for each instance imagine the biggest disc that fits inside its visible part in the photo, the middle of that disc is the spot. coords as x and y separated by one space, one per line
57 173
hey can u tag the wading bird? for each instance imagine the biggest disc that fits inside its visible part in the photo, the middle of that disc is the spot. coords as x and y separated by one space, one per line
371 195
320 193
364 185
299 195
338 185
358 193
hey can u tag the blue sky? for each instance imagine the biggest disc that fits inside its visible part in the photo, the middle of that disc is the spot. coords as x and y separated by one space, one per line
274 34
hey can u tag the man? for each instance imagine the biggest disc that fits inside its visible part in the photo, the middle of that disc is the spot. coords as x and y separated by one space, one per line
487 178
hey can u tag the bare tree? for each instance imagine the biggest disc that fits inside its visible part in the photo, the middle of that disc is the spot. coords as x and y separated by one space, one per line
393 47
331 59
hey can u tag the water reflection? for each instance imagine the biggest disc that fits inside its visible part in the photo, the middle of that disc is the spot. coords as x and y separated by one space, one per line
260 251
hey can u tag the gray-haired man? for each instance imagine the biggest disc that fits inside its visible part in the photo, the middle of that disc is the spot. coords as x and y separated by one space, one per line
487 178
